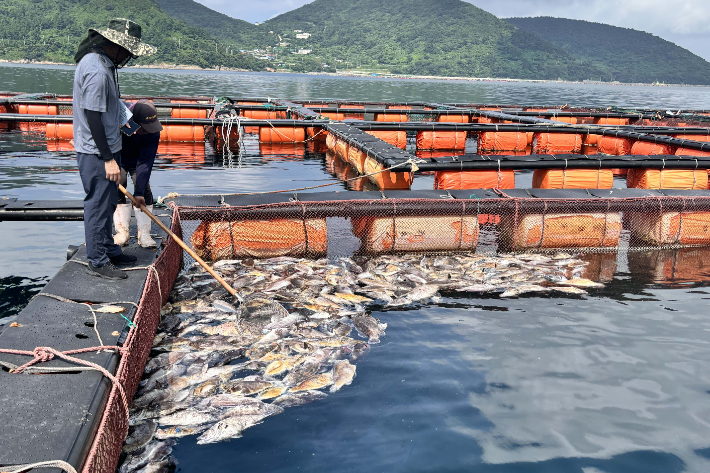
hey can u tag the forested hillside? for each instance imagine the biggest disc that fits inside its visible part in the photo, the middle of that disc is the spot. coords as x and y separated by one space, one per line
443 37
622 54
50 30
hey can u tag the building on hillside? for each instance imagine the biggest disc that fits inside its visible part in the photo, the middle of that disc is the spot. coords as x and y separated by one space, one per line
298 31
303 35
304 51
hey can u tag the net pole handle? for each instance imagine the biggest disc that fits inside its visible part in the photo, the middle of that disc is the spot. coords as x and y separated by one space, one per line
182 244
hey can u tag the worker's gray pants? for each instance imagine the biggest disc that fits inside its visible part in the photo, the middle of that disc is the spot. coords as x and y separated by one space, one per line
99 204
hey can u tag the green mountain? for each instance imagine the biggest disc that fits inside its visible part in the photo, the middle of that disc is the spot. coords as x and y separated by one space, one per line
621 54
424 37
50 30
229 30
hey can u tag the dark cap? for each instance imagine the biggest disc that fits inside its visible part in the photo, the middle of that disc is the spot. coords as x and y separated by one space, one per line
145 114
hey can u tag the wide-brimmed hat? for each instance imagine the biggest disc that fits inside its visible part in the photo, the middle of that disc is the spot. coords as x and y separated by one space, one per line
126 34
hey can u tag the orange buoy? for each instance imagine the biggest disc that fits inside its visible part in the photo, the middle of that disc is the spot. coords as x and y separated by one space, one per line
702 138
395 138
216 241
263 114
614 146
611 121
54 146
429 154
688 179
59 131
316 134
380 235
572 120
454 119
386 179
182 133
593 230
341 148
337 116
553 143
282 134
357 158
488 179
503 141
37 109
188 113
691 152
441 139
297 150
391 117
573 179
646 148
668 228
590 140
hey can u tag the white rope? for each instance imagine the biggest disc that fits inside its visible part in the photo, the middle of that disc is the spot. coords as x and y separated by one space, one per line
48 464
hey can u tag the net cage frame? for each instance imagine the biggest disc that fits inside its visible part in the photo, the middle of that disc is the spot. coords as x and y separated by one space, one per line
500 217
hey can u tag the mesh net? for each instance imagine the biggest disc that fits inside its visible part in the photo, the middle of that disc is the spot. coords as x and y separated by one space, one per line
457 221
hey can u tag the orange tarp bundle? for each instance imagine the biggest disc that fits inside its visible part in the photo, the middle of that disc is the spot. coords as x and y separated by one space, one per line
330 141
573 179
386 179
648 149
614 146
553 143
260 238
593 230
588 150
611 121
451 180
381 235
341 148
686 228
282 134
688 179
391 117
441 139
182 133
591 140
504 141
395 138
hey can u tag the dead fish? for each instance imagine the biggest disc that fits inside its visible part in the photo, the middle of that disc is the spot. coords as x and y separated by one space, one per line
315 382
477 288
206 389
224 307
419 293
285 322
229 329
342 330
343 374
257 408
299 399
569 290
369 327
273 336
230 428
245 388
525 288
281 366
191 416
271 393
360 349
301 373
277 285
177 431
581 282
153 453
139 436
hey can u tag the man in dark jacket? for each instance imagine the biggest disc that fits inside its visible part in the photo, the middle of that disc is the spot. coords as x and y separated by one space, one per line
137 158
98 117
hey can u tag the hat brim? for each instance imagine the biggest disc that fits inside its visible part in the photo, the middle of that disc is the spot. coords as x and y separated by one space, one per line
134 46
152 127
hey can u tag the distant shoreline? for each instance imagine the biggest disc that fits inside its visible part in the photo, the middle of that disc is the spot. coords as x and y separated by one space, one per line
362 74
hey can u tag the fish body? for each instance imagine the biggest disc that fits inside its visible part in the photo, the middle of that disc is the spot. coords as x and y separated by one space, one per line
581 282
191 416
343 374
299 399
230 428
369 327
272 392
139 436
154 452
524 289
245 388
315 382
177 431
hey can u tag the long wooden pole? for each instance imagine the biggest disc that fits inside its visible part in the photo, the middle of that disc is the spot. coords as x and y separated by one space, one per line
182 244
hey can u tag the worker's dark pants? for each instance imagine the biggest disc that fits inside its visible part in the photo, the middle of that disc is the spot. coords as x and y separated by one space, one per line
99 204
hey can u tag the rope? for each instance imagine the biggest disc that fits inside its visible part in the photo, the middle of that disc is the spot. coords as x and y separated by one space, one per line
30 466
411 161
88 306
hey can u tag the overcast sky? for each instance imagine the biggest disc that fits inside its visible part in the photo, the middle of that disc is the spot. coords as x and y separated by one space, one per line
684 22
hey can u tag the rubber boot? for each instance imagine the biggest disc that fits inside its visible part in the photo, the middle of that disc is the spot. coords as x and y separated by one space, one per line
144 222
122 220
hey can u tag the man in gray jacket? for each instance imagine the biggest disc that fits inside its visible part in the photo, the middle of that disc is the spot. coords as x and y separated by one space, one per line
98 117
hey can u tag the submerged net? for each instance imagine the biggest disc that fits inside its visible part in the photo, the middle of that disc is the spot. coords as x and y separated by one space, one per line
475 221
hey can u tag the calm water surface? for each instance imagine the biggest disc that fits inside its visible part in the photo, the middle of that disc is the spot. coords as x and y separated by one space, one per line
615 382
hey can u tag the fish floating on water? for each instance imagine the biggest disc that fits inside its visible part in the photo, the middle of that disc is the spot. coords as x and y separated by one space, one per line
219 369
